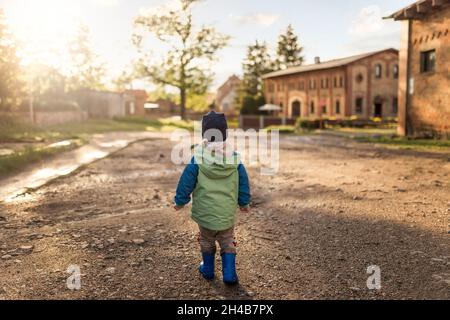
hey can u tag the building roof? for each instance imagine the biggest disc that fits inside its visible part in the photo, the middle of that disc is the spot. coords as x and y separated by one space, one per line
418 9
231 79
225 88
137 93
323 65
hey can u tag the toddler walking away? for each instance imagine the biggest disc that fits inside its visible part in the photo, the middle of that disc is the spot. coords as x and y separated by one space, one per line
218 187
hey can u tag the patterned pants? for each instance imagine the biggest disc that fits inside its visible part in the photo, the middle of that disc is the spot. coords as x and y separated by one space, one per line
207 239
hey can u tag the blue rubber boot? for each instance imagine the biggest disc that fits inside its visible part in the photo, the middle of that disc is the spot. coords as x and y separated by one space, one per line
229 269
207 266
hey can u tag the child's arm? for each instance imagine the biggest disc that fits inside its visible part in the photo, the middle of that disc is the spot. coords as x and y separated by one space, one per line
186 186
244 189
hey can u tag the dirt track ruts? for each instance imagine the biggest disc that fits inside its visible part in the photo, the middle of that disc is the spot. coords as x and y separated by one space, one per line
335 208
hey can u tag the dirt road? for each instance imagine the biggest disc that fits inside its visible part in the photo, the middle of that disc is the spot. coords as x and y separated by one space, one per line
335 208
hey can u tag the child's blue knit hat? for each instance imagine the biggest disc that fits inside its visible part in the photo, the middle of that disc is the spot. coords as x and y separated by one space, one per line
216 121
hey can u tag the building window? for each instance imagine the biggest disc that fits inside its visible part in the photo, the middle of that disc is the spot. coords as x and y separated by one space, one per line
301 86
341 82
338 107
313 109
296 109
396 71
312 84
359 105
327 83
378 71
324 109
271 88
335 82
359 78
395 105
428 61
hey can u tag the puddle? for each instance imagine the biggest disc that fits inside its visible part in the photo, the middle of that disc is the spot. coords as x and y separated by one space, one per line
61 144
100 147
6 152
114 144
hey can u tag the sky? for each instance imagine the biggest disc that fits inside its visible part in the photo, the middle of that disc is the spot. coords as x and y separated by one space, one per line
326 28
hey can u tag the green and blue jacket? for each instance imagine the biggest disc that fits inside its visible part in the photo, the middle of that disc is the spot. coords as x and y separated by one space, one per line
217 189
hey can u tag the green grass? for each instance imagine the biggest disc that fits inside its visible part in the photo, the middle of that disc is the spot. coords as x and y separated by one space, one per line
16 132
387 137
12 163
366 131
20 132
282 129
405 143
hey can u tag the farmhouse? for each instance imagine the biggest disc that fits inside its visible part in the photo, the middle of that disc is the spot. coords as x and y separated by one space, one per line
364 86
424 82
227 95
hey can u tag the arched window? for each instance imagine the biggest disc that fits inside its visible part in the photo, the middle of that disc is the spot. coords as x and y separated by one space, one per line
296 109
359 105
312 110
378 71
338 107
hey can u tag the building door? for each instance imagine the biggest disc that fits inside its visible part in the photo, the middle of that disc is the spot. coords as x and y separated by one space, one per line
378 107
378 112
296 109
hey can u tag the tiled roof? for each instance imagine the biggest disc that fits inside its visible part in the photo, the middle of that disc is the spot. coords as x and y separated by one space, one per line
322 66
418 9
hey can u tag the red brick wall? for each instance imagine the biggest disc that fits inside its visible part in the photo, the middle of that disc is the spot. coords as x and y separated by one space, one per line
285 90
429 105
372 88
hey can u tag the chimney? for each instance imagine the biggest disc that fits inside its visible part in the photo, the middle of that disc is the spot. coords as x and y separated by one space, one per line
317 60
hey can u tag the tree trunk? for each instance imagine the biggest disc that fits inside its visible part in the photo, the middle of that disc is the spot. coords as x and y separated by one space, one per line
183 103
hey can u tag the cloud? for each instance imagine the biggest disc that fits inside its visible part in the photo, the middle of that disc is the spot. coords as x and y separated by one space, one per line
370 32
262 19
369 20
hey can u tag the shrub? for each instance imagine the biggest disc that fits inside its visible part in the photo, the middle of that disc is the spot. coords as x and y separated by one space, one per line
307 124
281 129
250 105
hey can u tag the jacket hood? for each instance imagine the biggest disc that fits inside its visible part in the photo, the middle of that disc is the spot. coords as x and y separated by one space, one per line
216 160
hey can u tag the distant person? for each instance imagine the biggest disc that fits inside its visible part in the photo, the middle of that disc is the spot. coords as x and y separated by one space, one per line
219 184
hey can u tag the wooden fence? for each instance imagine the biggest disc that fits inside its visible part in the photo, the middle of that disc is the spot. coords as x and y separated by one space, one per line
261 122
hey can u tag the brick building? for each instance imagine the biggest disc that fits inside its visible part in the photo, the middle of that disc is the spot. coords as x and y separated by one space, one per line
424 83
135 106
102 104
364 86
227 95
